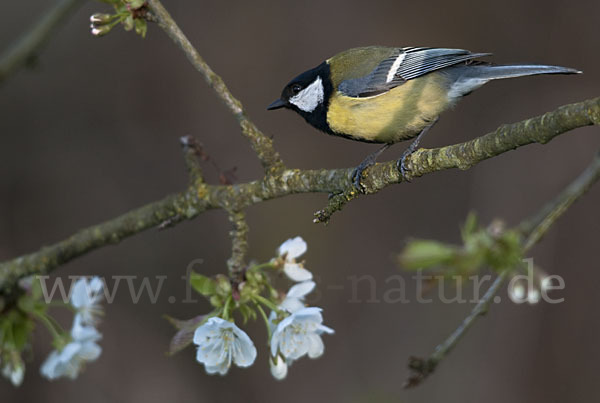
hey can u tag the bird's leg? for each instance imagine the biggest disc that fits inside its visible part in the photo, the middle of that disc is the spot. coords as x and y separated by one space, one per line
367 162
411 149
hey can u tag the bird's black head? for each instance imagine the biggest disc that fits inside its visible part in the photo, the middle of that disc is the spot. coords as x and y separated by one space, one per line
308 94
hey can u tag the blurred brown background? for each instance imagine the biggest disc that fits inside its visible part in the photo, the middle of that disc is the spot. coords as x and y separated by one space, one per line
93 130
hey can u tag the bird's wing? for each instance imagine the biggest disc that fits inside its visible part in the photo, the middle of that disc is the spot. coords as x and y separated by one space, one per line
404 65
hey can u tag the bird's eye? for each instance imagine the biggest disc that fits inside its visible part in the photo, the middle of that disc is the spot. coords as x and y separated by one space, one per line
296 88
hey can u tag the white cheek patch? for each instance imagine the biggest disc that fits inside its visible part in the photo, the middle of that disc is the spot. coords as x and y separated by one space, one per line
309 98
394 69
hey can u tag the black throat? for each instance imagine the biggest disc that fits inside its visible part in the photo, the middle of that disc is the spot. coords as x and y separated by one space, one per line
318 117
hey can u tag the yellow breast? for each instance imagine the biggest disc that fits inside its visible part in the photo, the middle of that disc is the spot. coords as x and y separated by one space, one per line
393 116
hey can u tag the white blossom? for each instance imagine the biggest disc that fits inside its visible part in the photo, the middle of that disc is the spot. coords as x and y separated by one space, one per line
219 343
14 371
517 292
294 299
546 283
533 296
300 334
290 250
279 367
86 297
70 360
293 247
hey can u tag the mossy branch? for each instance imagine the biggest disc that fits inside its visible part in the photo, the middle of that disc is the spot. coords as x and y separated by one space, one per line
280 181
201 197
540 129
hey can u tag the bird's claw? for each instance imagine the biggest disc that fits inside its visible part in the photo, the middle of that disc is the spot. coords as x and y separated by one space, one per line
401 166
357 176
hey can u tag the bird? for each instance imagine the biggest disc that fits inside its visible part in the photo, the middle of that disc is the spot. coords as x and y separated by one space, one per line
386 95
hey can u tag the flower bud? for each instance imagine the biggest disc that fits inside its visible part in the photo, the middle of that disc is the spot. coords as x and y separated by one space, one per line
128 23
101 30
223 285
141 27
100 18
533 297
279 367
216 301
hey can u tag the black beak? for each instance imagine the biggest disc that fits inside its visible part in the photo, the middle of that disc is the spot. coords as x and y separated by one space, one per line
276 105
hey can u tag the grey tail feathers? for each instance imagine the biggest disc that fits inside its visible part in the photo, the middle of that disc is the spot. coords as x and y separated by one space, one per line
470 77
493 72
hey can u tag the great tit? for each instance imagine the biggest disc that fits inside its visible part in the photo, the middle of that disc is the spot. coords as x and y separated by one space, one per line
385 95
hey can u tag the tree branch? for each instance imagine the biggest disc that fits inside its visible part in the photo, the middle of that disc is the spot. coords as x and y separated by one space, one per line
533 230
197 199
280 181
26 48
239 246
261 144
539 129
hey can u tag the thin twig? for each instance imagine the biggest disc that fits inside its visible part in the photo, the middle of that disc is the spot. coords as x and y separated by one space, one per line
196 200
192 152
539 224
239 246
421 367
30 44
261 144
533 230
335 203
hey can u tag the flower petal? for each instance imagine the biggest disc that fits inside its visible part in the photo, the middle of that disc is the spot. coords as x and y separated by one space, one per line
296 272
207 330
96 285
295 346
291 304
79 294
85 297
324 329
300 290
311 314
292 248
89 351
15 371
69 352
244 352
49 368
80 332
211 353
17 375
221 368
315 346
